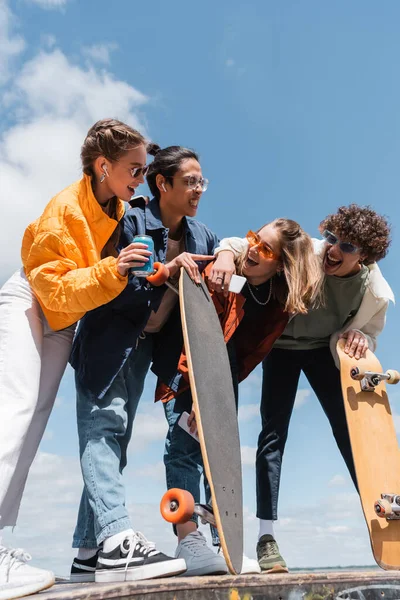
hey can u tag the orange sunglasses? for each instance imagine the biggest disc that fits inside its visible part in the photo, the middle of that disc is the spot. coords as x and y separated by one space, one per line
263 248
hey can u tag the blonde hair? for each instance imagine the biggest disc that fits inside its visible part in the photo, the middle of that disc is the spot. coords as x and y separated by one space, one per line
298 286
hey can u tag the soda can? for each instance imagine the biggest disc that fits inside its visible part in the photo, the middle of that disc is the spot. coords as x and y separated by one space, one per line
148 267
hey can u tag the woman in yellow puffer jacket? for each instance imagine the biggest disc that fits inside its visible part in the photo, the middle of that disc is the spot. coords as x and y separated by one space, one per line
70 267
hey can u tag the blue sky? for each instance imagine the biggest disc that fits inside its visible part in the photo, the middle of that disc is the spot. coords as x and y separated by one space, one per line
294 109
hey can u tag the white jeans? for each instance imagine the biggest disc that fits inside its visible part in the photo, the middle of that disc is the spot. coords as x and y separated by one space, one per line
33 358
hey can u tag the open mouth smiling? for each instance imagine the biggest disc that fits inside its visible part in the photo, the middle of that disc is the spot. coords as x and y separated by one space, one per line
332 262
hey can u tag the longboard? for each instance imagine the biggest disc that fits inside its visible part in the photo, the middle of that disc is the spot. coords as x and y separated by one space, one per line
375 451
214 405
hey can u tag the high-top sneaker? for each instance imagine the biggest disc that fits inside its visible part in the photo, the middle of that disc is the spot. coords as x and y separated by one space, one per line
136 558
269 557
19 579
83 570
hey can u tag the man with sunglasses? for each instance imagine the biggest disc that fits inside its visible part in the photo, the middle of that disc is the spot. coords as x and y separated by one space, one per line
354 303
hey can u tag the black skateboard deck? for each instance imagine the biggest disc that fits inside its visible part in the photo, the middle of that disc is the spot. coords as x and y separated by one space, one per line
214 405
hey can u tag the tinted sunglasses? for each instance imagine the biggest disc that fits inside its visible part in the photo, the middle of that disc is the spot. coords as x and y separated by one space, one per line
137 171
263 249
345 247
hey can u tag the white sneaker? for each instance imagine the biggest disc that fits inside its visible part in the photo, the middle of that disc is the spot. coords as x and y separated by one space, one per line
249 565
199 558
18 579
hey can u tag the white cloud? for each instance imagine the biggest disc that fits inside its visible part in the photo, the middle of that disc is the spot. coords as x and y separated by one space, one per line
100 52
338 529
11 44
248 412
149 426
248 456
154 471
49 4
50 84
302 397
337 481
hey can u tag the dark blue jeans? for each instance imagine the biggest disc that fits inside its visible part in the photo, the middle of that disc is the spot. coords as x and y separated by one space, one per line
281 373
182 454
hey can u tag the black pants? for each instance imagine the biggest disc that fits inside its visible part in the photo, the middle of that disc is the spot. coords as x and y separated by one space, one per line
281 373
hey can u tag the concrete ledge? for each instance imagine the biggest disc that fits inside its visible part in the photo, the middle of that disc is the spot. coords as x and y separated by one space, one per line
351 585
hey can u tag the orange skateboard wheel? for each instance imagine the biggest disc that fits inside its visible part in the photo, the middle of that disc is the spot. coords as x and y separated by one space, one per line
177 506
160 275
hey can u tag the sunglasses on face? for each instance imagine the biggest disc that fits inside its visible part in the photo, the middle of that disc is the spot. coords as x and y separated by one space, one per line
345 247
138 171
263 248
192 182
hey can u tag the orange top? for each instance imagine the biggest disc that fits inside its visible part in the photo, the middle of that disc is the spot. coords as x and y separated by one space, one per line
61 255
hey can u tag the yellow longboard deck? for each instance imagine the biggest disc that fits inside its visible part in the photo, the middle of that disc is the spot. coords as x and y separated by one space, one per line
375 453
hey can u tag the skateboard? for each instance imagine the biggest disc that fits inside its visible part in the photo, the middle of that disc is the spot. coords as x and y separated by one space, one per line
375 450
217 424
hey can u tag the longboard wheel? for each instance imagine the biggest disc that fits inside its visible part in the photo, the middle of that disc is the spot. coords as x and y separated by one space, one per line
356 374
383 508
160 275
394 376
177 506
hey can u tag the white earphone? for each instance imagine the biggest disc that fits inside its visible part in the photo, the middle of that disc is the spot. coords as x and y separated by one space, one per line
105 172
163 187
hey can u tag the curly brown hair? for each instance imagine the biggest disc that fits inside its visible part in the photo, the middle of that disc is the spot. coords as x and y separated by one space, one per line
363 227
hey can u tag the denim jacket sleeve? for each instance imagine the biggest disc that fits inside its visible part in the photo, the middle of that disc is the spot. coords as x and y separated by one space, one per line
138 290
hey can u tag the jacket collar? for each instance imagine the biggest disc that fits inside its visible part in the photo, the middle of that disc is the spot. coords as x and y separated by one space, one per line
153 218
89 204
377 284
101 225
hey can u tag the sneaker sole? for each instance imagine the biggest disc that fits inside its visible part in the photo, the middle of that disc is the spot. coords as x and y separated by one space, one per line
204 571
82 578
276 569
13 592
152 571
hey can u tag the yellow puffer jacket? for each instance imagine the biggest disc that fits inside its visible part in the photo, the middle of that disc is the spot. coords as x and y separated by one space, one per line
61 255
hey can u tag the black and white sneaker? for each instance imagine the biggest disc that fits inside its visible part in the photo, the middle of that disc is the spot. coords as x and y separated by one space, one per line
136 558
83 570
